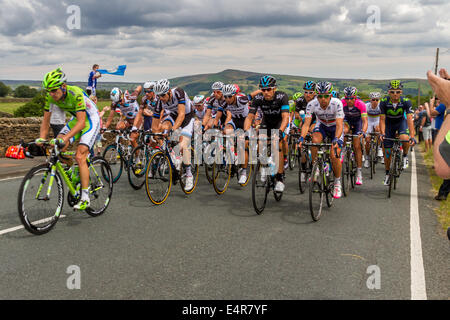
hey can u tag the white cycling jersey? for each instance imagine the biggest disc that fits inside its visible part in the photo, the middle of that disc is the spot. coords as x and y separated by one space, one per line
328 116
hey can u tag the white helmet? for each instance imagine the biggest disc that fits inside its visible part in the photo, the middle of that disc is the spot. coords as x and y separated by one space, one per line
199 99
375 95
149 85
115 95
229 90
217 86
162 87
302 112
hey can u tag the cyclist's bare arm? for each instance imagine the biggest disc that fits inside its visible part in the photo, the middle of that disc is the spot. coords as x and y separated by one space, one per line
181 116
249 121
284 121
110 118
207 117
305 127
45 126
339 127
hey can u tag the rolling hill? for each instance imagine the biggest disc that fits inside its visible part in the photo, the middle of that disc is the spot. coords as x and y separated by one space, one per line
248 81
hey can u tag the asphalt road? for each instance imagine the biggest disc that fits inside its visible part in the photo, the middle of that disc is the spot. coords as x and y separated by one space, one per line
206 246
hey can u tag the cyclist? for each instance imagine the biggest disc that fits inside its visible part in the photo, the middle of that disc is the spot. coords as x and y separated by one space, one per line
392 122
213 103
356 123
147 107
236 110
127 104
176 112
84 125
330 114
336 94
199 110
274 105
373 113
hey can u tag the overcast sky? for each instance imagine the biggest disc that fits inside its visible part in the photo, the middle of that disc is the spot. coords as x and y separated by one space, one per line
156 39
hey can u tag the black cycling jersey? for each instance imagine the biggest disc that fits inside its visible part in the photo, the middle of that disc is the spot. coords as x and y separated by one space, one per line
272 110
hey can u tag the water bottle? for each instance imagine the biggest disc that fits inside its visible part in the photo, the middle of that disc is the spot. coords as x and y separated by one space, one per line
272 167
327 169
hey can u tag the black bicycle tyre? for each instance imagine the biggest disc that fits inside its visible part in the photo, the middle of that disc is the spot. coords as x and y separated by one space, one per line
106 169
108 148
22 211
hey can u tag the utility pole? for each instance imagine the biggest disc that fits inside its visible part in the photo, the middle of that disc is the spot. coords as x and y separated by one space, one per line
437 61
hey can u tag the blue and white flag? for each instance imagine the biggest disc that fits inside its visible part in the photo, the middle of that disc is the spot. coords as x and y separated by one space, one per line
119 71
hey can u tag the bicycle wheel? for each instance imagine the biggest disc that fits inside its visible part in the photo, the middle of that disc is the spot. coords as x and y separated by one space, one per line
100 186
345 175
158 178
303 168
194 171
138 162
115 161
398 169
292 156
316 193
352 169
221 175
39 209
329 187
260 188
208 172
392 173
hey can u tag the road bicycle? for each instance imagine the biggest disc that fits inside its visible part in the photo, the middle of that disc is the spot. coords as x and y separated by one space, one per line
305 164
294 152
118 153
373 153
264 180
41 193
226 166
396 167
349 166
139 159
321 182
165 168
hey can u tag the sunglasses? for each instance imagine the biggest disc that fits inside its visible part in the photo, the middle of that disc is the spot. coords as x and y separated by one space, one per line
162 95
395 92
228 97
349 98
323 96
148 91
266 90
309 92
375 100
52 91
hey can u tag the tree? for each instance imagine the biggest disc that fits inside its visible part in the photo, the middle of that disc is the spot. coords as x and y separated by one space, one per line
4 89
34 108
25 92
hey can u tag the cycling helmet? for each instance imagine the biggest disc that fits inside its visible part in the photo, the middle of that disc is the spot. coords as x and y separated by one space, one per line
301 113
267 82
335 94
375 95
150 85
237 88
297 95
395 84
54 79
309 85
200 99
350 92
162 87
324 87
115 95
217 86
229 90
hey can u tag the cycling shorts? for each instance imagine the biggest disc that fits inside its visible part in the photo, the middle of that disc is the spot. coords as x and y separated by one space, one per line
392 129
89 134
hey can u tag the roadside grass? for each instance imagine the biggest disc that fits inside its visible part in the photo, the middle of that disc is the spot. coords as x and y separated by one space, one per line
443 210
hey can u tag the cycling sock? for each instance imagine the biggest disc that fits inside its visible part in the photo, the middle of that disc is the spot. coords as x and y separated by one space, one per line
85 194
358 171
189 171
337 181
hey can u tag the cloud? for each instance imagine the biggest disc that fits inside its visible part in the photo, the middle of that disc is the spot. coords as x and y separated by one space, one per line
195 36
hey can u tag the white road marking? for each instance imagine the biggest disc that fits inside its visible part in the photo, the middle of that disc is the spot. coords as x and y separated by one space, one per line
13 178
418 284
2 232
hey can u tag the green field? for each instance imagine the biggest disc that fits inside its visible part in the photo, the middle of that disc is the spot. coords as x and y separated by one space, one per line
9 107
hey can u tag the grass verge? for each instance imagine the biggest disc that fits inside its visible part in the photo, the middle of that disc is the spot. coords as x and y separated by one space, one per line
443 211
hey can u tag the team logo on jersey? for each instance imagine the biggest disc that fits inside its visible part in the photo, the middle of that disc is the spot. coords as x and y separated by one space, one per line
397 112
